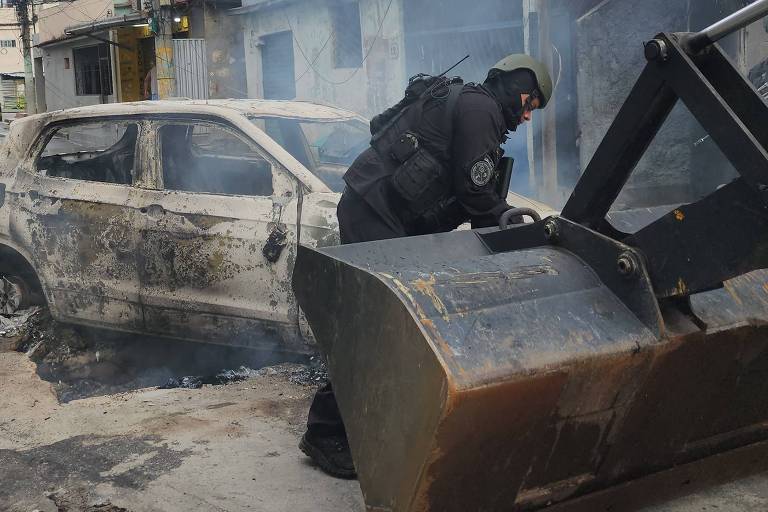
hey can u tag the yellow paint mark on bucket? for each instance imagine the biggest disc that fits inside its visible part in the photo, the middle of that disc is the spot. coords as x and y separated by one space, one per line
728 286
427 287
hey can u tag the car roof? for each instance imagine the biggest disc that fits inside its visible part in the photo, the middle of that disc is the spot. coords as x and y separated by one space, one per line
249 107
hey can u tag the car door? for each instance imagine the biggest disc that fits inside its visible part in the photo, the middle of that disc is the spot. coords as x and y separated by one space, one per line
77 210
221 237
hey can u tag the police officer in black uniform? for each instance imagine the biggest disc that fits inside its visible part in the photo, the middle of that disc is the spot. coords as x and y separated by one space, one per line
430 168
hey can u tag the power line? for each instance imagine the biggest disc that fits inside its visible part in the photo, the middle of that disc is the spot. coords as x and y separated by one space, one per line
61 9
64 12
50 86
98 16
365 57
319 52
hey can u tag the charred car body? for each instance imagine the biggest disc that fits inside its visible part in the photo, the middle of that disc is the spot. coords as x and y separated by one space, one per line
174 218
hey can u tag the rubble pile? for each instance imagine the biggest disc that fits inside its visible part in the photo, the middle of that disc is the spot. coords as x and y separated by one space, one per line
44 340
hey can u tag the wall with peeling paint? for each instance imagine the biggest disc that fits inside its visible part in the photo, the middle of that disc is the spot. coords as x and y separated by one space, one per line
367 90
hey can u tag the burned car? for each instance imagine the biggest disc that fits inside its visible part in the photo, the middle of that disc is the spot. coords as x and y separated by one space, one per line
173 218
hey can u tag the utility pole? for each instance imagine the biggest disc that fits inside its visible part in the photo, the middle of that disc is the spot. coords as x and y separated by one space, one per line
162 18
22 14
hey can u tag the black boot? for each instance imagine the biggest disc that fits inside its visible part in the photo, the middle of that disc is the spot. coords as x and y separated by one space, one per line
331 453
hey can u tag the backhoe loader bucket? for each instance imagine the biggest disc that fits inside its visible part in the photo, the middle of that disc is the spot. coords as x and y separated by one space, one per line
543 365
469 380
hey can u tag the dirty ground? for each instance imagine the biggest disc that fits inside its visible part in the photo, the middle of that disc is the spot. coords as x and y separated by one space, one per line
106 439
219 447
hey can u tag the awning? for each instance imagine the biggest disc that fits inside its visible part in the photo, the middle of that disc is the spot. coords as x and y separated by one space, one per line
61 40
87 30
105 24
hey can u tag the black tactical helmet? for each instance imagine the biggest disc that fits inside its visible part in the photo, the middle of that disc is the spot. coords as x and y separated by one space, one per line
540 73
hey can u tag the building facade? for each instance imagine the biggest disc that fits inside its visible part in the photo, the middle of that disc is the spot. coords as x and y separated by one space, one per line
78 70
346 53
358 54
11 58
98 51
12 96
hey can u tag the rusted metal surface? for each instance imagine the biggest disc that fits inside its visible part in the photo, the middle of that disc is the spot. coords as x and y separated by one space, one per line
175 263
678 481
513 382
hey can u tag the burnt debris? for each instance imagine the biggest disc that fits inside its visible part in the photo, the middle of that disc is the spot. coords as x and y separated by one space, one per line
83 362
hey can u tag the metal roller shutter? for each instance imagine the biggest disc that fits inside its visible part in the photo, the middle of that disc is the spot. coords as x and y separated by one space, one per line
189 56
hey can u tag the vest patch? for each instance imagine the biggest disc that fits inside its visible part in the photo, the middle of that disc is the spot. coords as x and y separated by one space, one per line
482 172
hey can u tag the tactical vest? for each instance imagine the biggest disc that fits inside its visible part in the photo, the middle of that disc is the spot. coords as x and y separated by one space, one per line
420 178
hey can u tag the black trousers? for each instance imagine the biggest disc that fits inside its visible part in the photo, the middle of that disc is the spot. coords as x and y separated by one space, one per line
358 222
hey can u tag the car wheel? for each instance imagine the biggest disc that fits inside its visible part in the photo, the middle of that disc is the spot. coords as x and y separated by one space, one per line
15 294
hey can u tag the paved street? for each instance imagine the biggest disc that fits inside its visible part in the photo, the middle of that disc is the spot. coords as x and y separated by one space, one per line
223 448
746 495
220 448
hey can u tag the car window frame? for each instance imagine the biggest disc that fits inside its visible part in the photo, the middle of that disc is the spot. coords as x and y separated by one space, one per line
298 122
50 129
316 162
282 122
278 169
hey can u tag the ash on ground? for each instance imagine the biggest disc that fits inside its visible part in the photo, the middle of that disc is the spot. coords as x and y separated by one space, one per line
83 362
313 373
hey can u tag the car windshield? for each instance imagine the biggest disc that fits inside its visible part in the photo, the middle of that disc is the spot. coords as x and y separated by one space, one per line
326 148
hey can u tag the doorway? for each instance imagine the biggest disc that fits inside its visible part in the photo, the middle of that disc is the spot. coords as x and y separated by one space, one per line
277 66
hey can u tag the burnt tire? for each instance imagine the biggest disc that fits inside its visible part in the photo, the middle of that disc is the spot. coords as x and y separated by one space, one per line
15 294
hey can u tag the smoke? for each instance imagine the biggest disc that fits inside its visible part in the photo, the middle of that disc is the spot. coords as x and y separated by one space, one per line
83 362
595 49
